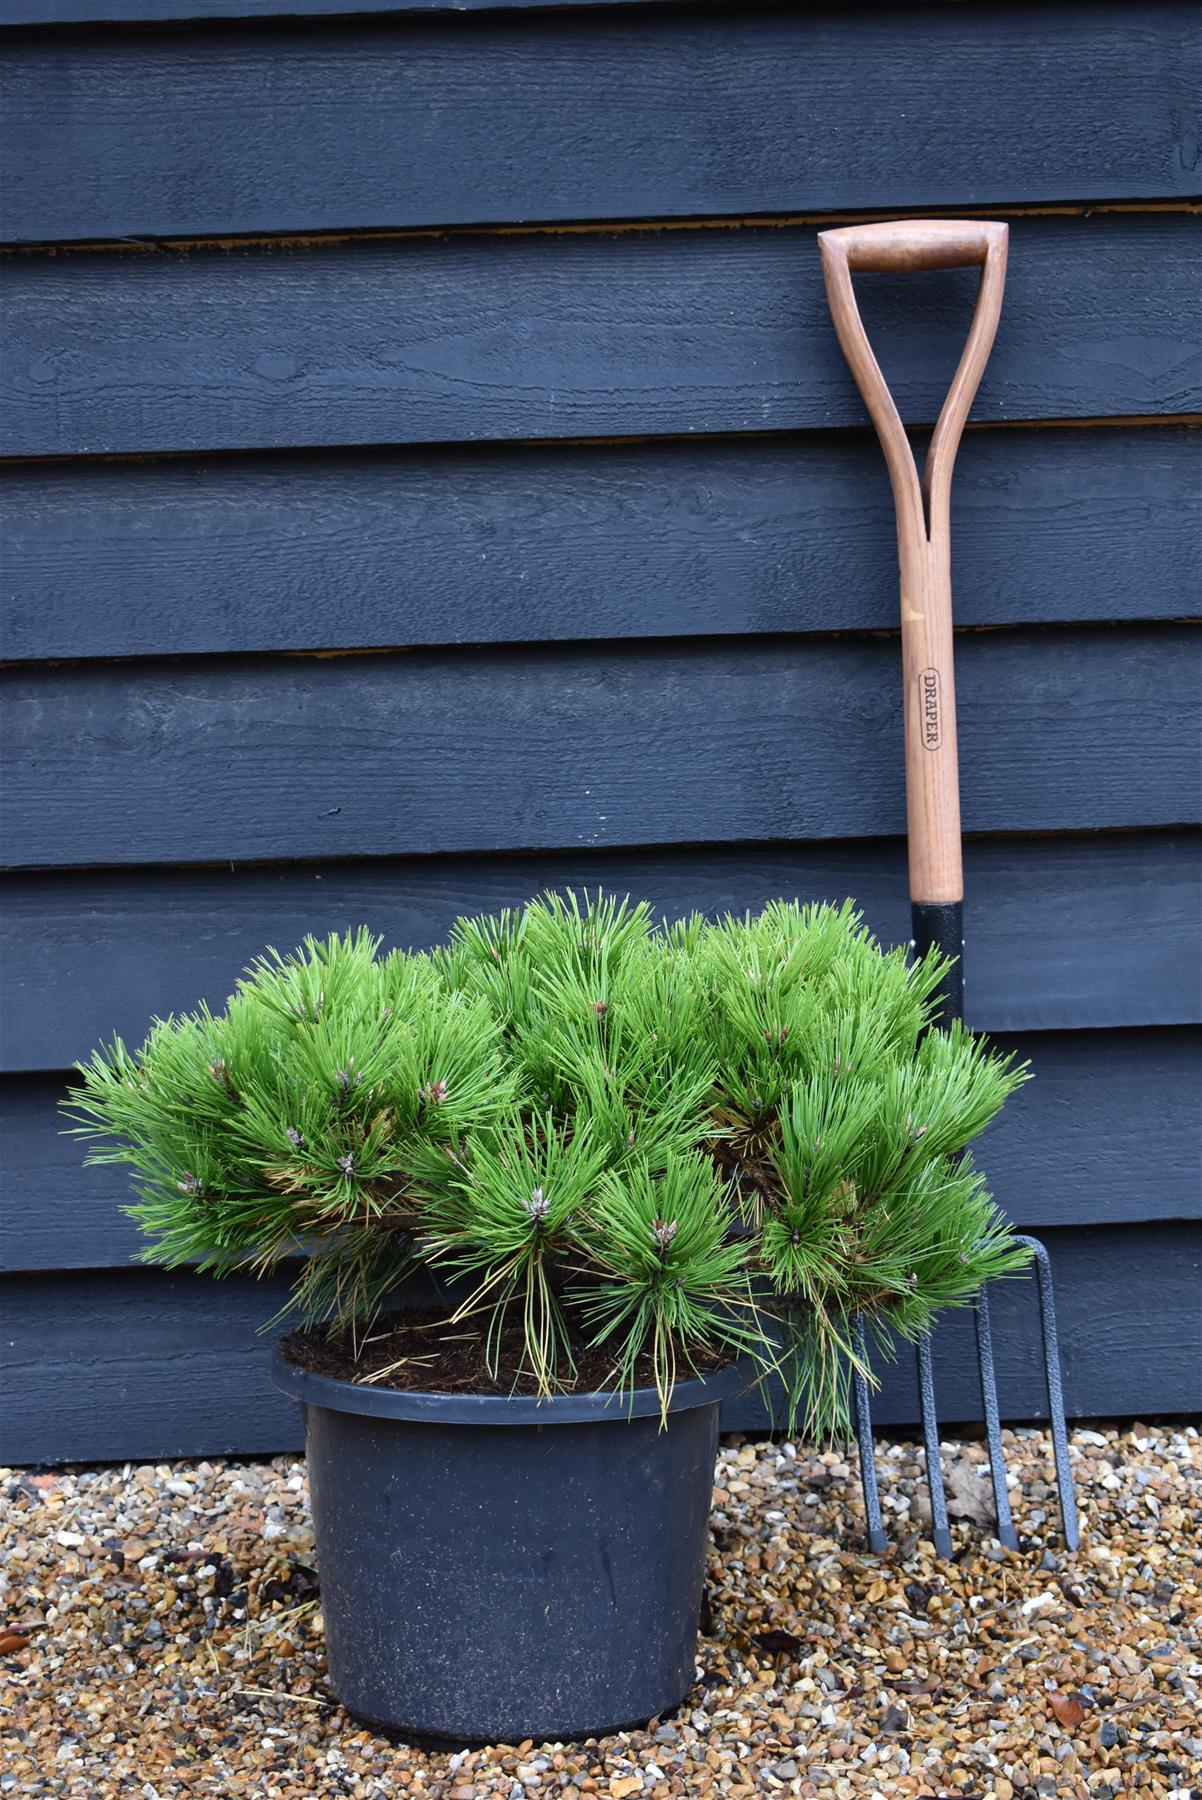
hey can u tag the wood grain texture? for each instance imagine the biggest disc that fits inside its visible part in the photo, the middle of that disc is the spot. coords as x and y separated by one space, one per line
670 742
87 954
84 12
1107 1132
532 543
138 1365
422 340
1071 1149
572 115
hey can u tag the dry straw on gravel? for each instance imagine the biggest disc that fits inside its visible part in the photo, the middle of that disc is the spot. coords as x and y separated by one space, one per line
164 1639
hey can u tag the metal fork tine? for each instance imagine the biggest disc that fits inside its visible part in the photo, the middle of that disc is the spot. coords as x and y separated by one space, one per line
993 1424
940 1534
1051 1363
877 1541
940 1531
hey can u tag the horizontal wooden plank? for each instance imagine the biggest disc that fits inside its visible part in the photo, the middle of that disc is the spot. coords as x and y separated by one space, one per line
1107 1133
545 335
666 538
571 115
668 742
138 1365
86 12
84 955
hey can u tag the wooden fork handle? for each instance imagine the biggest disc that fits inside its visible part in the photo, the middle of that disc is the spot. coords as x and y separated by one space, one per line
903 244
923 520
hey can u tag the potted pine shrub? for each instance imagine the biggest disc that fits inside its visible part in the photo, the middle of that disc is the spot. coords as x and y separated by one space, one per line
550 1193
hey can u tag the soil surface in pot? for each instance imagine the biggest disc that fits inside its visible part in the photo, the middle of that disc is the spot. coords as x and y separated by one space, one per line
422 1351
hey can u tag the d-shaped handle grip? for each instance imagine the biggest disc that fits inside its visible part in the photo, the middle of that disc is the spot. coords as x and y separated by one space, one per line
906 244
896 246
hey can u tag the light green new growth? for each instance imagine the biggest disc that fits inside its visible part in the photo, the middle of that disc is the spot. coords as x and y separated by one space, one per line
707 1137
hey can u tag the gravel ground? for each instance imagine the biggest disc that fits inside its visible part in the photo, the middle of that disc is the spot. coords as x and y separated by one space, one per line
164 1639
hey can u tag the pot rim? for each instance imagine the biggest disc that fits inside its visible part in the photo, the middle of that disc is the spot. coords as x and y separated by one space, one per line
614 1406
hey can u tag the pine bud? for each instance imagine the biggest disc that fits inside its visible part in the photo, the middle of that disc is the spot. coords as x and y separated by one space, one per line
538 1206
600 1007
434 1095
191 1184
347 1165
914 1132
220 1071
295 1138
778 1036
664 1233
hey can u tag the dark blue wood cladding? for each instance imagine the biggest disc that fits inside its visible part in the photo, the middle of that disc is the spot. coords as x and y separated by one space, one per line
87 954
88 12
579 115
145 1366
1099 1098
428 339
329 599
669 742
496 545
162 11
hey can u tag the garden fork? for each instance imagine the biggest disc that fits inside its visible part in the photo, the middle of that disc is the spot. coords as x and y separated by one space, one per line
932 772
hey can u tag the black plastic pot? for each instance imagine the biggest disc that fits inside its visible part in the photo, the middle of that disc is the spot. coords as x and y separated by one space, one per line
494 1569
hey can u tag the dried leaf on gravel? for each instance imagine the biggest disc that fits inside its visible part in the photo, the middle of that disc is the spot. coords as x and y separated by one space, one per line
969 1495
1068 1710
12 1641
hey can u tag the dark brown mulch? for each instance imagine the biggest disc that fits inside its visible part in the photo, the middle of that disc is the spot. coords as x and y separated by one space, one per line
432 1355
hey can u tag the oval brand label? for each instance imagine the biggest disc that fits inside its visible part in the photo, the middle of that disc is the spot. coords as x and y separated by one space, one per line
930 710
